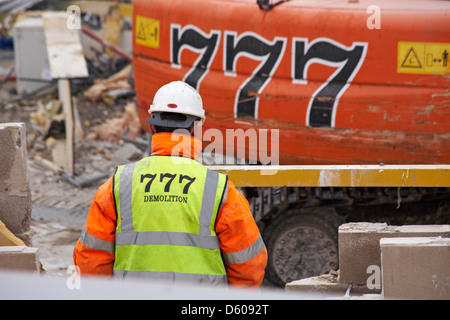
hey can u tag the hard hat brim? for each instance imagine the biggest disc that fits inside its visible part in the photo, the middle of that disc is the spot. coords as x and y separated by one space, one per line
157 121
154 108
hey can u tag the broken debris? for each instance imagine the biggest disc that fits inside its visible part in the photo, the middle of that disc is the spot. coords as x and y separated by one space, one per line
114 82
113 129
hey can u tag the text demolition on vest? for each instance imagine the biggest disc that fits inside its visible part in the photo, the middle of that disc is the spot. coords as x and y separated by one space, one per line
165 198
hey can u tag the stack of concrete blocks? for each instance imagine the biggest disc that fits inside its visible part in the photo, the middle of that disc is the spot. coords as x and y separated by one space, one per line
371 253
15 201
394 262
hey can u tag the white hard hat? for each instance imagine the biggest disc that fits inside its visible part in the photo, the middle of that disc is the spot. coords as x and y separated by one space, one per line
177 97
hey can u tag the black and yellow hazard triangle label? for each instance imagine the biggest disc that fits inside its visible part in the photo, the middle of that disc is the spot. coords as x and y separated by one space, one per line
423 57
140 32
411 60
147 32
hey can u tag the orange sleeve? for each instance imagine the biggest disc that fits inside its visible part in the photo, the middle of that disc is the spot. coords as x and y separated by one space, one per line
94 251
244 252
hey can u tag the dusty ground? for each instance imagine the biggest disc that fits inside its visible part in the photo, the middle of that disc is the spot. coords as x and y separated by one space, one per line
55 236
60 208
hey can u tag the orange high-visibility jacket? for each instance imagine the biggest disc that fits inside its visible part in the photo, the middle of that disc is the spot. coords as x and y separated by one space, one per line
235 227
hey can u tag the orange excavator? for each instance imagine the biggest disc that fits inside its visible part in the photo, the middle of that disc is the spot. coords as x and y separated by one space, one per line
341 82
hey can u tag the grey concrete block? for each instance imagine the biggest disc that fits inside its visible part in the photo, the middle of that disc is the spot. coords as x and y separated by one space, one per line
19 258
416 268
15 195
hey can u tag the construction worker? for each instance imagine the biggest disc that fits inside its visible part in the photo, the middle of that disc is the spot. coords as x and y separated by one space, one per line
169 217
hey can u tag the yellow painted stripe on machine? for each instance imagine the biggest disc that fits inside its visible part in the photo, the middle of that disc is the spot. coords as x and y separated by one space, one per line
338 175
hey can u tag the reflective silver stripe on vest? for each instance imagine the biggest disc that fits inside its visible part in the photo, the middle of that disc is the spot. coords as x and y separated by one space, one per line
172 238
175 276
125 187
128 236
90 241
246 254
208 200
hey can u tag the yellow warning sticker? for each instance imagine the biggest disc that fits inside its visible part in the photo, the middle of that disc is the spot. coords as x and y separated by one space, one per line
147 32
423 57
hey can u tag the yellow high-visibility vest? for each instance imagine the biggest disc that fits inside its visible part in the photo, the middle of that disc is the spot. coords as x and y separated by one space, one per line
166 212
